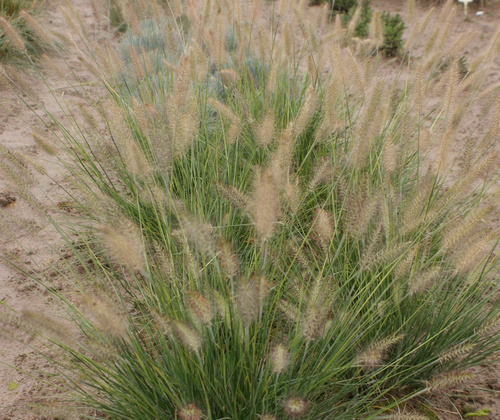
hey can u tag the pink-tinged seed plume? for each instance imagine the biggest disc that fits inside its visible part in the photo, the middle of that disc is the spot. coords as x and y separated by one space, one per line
295 407
199 307
190 412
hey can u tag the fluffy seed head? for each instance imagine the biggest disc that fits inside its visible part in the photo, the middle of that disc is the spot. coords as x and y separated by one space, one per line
198 232
323 226
131 157
183 123
373 355
376 29
141 117
136 63
313 322
109 317
282 157
280 358
389 157
198 61
235 125
306 112
222 306
477 251
191 262
162 323
125 245
48 325
12 35
322 173
265 205
44 143
368 127
190 412
263 287
265 132
448 380
227 259
216 41
229 77
295 407
404 267
292 191
182 81
455 352
234 196
424 280
200 307
289 310
383 256
248 300
370 358
187 336
272 78
131 17
360 212
36 27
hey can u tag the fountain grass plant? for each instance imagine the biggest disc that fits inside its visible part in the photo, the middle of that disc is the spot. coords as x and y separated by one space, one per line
254 237
20 33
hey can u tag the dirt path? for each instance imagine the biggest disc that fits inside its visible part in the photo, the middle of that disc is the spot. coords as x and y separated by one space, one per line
484 27
40 246
484 391
17 123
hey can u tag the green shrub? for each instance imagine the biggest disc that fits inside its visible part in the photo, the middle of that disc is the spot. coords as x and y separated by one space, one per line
247 243
394 27
115 16
342 6
366 14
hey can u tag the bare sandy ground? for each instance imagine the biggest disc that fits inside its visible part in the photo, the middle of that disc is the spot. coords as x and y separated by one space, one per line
484 391
24 233
17 122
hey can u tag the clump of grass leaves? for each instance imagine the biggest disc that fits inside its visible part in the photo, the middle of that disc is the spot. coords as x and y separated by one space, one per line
21 36
259 238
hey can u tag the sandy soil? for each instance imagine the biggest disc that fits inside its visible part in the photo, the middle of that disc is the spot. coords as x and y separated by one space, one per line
25 235
17 122
484 390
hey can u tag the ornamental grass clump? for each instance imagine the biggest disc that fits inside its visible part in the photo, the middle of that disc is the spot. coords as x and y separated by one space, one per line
274 230
21 35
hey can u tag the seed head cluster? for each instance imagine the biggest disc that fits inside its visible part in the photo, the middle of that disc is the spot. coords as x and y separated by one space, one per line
190 412
200 307
265 205
295 407
280 358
